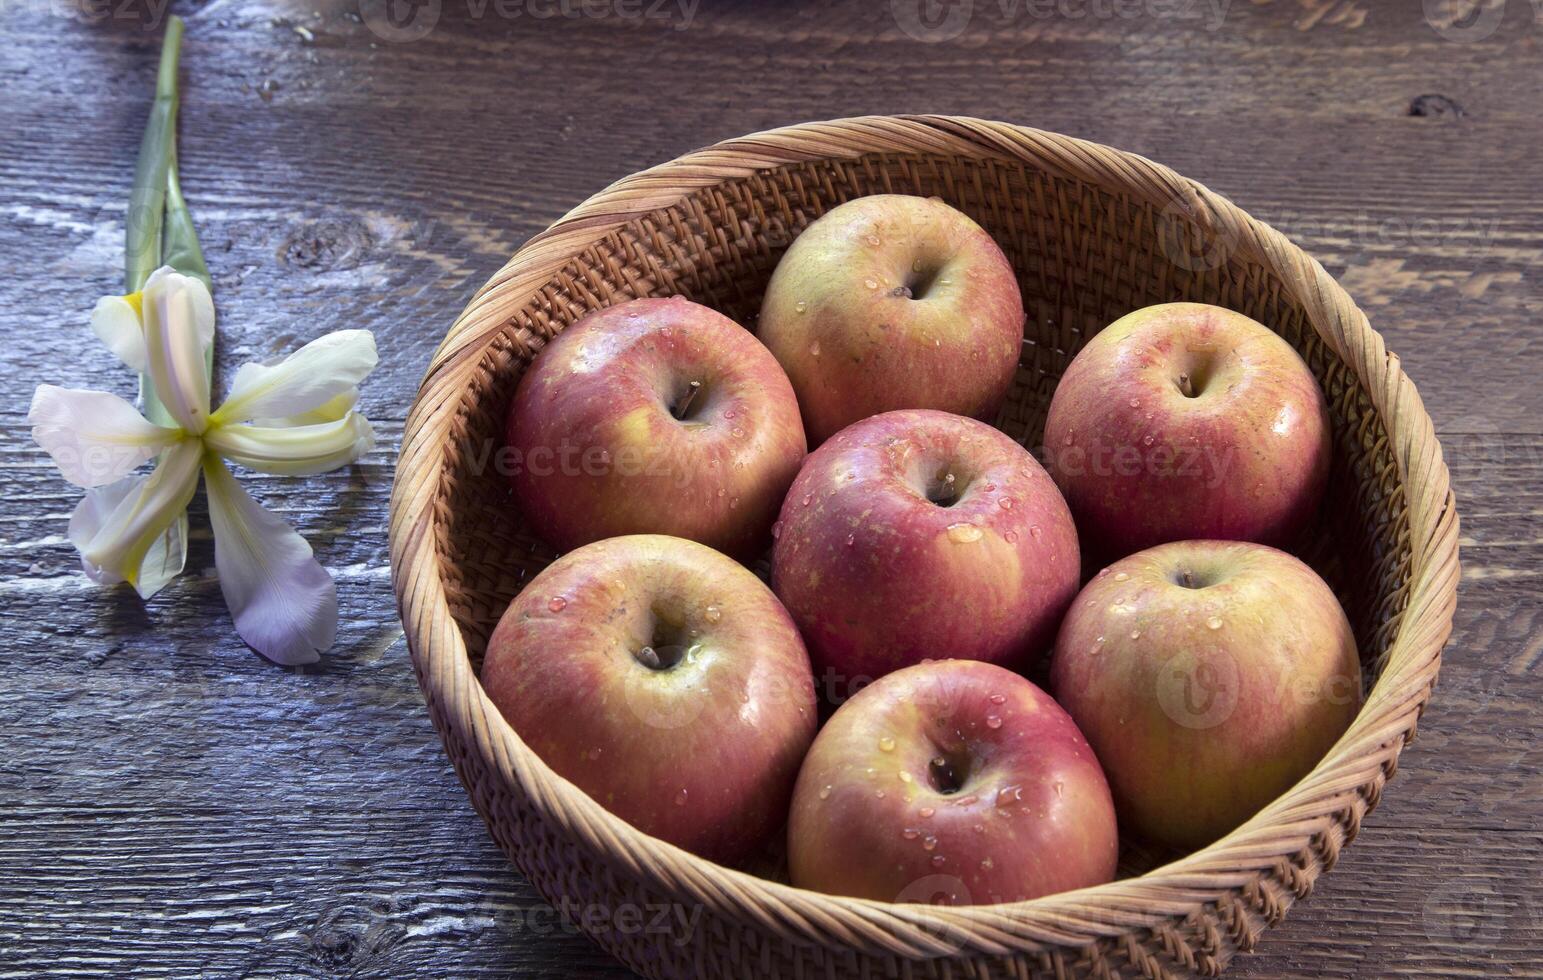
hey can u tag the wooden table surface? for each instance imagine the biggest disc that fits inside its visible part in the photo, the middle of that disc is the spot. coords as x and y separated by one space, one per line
173 805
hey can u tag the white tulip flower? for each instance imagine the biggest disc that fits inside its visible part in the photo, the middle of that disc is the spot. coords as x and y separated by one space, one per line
292 417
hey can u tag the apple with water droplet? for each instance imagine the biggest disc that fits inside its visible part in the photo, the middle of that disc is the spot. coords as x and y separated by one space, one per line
919 534
654 416
667 682
893 301
953 782
1186 421
1209 676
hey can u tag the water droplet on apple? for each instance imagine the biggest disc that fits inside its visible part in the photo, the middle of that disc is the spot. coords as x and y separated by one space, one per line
937 860
963 533
801 306
1135 634
998 699
851 540
905 777
929 842
1010 537
557 603
1098 640
1068 439
722 492
1035 532
886 744
872 239
1135 403
824 792
1147 441
1060 789
878 794
776 530
986 865
979 828
1121 576
680 798
739 433
1006 503
926 812
993 721
1215 623
712 614
871 283
916 265
814 349
910 833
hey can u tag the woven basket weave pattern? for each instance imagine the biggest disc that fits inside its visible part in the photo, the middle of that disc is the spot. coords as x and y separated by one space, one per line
1093 233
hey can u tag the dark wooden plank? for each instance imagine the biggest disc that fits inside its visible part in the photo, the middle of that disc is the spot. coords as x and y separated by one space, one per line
172 805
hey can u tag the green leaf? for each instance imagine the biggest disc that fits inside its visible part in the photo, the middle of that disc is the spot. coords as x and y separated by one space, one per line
147 202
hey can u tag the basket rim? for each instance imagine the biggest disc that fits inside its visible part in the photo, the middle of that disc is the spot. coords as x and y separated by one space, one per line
1288 840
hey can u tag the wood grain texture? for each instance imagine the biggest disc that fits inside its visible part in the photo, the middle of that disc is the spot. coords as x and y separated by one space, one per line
172 805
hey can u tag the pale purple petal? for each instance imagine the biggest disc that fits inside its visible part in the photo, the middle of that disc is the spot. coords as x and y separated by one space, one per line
283 602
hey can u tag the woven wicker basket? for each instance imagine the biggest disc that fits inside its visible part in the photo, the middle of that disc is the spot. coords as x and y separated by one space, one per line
1093 234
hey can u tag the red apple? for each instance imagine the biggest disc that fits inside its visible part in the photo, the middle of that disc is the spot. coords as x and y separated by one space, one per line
889 302
952 782
1186 421
919 534
664 680
654 416
1210 676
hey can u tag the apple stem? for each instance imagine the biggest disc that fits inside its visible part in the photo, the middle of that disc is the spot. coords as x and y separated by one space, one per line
649 657
684 405
1188 580
901 291
1186 386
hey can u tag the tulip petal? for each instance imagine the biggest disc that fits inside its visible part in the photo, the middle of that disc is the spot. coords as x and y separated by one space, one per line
284 603
305 380
116 322
176 333
94 438
294 450
118 531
